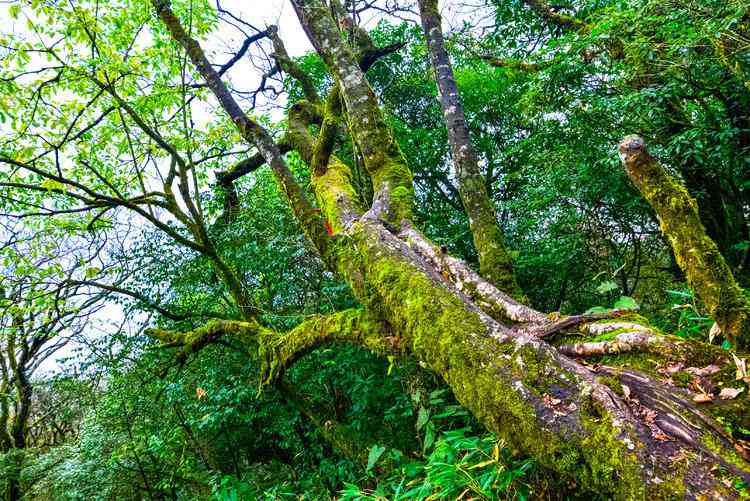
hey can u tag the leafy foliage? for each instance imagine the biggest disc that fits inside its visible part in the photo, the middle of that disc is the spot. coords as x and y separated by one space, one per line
132 422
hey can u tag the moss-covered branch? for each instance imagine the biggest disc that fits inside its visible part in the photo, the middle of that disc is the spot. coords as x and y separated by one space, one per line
495 302
289 66
555 18
383 158
191 342
696 253
278 351
539 401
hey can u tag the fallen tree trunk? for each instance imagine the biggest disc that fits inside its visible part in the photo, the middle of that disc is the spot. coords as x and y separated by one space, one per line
577 420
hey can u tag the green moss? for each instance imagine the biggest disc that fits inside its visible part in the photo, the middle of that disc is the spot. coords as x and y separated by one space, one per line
696 253
682 378
643 362
395 174
609 459
727 453
278 351
335 193
502 382
607 336
612 382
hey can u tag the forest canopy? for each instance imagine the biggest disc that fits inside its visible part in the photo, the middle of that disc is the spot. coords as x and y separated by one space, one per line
374 249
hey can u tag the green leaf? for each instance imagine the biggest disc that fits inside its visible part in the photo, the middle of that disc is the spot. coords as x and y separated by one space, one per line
606 287
429 436
375 452
424 416
626 303
596 309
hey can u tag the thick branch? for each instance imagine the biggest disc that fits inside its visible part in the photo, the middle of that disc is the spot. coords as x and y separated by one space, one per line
256 161
251 164
382 156
643 340
521 388
696 253
493 301
192 342
279 351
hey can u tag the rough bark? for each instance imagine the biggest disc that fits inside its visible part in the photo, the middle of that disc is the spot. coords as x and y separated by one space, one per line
495 262
697 254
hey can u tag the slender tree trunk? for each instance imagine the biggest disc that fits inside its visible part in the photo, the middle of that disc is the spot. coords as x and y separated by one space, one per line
494 261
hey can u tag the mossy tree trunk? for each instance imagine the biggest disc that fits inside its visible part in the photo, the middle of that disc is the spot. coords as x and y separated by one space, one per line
697 254
494 260
578 421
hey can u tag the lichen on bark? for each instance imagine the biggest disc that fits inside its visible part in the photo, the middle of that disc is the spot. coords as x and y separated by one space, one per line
383 158
542 403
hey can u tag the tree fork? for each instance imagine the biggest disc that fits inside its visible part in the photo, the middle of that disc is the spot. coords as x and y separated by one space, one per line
541 402
383 159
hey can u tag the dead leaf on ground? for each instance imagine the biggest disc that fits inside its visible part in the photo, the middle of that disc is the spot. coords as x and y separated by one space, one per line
743 448
730 393
670 368
704 371
701 384
741 365
702 398
715 331
558 406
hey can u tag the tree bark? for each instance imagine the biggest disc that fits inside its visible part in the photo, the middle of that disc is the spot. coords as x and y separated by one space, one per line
697 254
494 261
